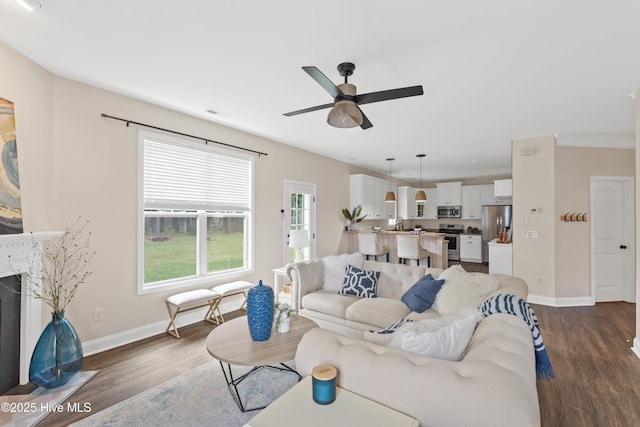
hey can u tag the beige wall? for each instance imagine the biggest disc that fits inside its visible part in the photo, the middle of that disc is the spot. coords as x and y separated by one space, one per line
574 167
533 187
636 341
557 179
75 163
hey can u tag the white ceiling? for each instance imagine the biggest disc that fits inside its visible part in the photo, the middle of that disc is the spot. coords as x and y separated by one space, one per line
492 71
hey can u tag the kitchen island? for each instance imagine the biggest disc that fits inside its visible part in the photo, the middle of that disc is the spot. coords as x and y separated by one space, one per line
500 258
435 243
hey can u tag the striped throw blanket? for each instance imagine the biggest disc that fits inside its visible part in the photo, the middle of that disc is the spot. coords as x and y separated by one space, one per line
516 306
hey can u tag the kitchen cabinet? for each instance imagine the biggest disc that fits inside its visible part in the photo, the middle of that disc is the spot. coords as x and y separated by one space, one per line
472 202
369 192
431 207
471 248
449 193
407 206
500 258
503 188
489 197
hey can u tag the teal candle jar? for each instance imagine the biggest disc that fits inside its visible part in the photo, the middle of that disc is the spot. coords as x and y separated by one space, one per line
324 384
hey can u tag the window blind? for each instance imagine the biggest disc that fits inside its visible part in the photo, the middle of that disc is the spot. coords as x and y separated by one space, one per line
182 176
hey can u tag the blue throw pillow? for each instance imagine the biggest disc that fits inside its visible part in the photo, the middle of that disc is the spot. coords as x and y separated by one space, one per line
360 283
422 295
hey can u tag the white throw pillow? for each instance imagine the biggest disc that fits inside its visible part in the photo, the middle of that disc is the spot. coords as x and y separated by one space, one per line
445 337
335 267
462 289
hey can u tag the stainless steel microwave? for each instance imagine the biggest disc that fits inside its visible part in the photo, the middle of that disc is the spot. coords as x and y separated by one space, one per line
449 212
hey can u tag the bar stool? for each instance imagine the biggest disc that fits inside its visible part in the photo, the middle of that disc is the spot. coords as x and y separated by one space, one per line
369 246
409 248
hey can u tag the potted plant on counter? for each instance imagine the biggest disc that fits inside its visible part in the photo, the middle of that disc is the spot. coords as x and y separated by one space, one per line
353 217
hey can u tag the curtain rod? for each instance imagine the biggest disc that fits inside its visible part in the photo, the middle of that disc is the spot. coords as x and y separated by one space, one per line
206 140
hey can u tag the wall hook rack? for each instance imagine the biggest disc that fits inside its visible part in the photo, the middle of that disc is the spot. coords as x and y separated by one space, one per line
574 217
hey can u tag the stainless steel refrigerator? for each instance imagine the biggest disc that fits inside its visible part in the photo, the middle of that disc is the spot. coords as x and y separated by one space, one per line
495 219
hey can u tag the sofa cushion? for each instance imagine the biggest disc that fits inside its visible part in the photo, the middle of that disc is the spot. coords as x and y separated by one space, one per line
395 279
462 289
445 338
378 312
422 295
361 283
329 302
334 268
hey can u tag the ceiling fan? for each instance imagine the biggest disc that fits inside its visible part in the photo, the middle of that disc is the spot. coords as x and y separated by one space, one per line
346 112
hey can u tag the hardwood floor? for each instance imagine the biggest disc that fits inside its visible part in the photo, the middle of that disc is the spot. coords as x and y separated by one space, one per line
597 384
597 375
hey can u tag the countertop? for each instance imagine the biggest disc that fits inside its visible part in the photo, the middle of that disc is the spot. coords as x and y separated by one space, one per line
495 242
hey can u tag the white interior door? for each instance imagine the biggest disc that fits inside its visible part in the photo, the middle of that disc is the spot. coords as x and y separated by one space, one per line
300 213
612 239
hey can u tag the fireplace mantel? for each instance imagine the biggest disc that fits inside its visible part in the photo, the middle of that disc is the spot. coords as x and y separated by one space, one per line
19 255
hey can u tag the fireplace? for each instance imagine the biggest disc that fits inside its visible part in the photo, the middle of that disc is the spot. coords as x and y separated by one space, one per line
19 248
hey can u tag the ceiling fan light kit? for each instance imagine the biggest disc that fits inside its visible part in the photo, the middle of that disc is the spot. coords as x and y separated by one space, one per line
345 111
345 114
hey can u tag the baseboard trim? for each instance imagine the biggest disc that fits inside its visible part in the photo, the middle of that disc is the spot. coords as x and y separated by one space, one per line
561 302
636 346
132 335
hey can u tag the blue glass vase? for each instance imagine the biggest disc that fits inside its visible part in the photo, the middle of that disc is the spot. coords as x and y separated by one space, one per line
260 312
58 354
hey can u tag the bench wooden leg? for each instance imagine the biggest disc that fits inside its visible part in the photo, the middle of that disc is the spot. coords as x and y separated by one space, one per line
172 329
244 303
213 314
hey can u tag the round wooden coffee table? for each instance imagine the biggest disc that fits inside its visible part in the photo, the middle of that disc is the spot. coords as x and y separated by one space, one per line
231 343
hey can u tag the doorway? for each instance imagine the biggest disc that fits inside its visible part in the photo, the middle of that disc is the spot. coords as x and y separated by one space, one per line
612 238
300 214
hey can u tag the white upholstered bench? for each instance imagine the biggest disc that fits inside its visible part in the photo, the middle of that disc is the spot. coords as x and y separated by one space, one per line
190 300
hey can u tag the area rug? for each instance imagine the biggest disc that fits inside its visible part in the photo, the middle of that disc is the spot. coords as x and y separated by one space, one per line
197 398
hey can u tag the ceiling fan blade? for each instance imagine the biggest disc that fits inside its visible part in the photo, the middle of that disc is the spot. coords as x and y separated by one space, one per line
308 110
323 81
366 124
385 95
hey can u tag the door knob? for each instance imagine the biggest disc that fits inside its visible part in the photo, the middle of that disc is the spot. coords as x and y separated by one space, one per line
623 246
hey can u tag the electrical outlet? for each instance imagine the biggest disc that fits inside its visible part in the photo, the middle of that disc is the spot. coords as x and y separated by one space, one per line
98 314
539 280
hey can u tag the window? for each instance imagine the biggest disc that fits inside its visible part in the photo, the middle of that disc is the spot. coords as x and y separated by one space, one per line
195 213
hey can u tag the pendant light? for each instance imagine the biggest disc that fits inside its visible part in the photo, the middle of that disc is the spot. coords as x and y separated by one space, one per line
391 196
421 196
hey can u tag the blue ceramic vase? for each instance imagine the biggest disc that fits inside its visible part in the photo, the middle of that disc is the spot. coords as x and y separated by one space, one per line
58 354
260 312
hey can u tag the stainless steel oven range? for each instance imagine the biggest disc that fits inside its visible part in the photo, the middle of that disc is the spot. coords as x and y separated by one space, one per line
452 234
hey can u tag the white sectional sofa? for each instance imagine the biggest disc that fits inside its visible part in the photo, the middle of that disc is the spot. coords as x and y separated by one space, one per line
494 384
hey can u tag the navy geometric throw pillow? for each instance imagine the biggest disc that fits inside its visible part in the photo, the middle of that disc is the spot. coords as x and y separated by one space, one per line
360 283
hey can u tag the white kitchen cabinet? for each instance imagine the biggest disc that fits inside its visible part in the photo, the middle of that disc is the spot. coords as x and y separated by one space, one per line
449 193
407 206
472 202
369 192
503 188
500 258
489 197
471 248
431 207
